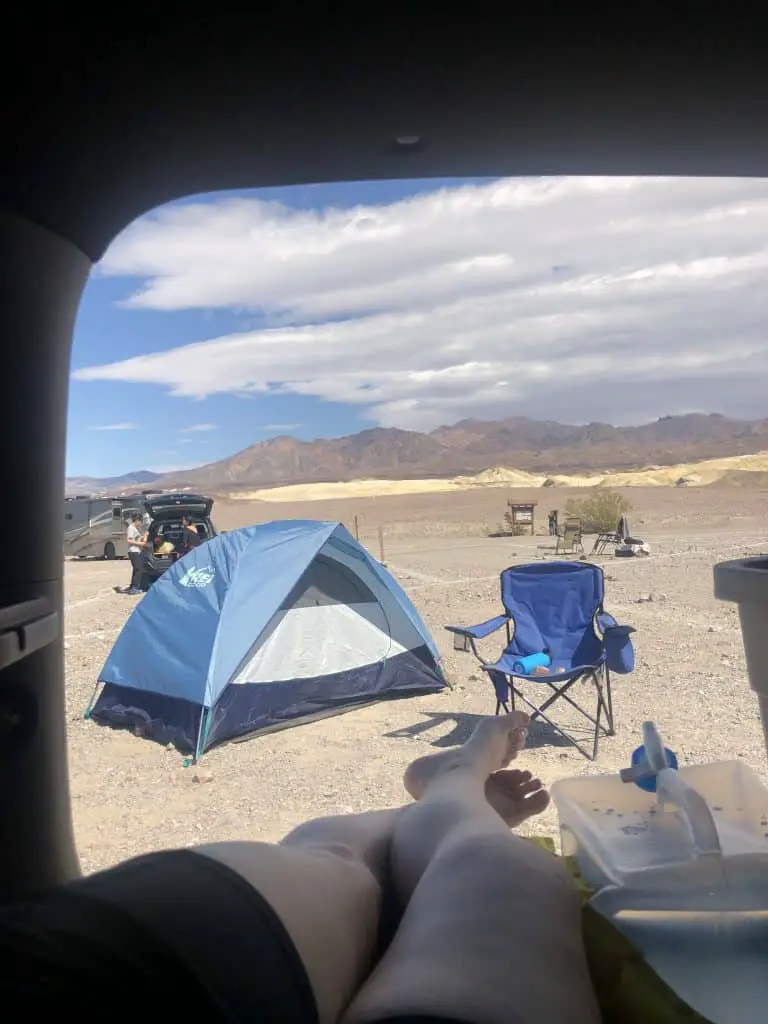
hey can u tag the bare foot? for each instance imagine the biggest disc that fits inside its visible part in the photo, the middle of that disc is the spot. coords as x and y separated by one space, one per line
516 795
495 742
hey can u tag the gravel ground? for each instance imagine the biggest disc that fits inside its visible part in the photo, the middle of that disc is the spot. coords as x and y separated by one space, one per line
130 795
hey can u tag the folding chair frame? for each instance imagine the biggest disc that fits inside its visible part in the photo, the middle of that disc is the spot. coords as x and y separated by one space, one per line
605 540
576 544
599 675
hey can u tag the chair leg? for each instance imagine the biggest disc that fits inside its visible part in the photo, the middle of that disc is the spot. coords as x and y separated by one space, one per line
502 704
539 713
596 741
561 692
609 702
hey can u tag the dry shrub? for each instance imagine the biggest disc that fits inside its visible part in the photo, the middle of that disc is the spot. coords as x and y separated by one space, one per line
600 512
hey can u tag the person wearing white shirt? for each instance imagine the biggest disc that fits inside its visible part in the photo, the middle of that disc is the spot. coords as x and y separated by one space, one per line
136 545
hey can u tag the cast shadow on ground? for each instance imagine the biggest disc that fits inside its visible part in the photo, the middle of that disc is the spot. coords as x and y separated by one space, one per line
539 735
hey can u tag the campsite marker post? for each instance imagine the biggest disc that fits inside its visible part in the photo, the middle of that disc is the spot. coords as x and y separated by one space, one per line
357 530
381 545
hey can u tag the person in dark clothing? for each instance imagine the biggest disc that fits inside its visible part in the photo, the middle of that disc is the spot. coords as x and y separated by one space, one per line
430 912
552 518
190 537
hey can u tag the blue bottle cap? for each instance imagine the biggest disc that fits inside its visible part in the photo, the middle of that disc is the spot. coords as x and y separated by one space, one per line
649 784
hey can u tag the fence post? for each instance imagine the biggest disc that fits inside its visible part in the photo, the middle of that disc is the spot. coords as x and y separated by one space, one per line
357 530
381 546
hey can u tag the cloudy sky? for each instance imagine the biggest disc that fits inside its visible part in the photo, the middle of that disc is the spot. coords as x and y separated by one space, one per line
317 311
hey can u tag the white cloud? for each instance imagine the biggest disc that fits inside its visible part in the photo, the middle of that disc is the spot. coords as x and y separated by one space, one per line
281 428
199 428
117 426
568 298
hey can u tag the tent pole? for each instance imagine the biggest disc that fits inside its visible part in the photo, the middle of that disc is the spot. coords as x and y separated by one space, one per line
202 734
92 701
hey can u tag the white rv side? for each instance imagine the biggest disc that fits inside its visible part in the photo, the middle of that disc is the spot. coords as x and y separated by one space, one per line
95 527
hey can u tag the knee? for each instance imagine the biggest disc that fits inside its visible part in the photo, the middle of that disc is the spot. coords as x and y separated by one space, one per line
506 858
345 864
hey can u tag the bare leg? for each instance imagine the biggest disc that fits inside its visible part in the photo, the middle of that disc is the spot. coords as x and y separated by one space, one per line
492 928
325 882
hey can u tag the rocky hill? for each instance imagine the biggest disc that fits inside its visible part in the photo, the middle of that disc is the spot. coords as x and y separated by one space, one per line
128 482
470 446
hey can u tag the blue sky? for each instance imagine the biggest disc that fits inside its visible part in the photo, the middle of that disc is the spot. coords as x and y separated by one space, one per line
161 437
320 310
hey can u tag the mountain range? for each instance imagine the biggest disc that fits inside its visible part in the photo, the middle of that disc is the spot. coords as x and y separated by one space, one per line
470 446
126 482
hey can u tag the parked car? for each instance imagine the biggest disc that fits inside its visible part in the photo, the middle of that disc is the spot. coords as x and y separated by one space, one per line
167 532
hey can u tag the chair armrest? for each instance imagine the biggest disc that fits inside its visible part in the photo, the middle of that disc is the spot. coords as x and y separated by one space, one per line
481 630
606 622
620 630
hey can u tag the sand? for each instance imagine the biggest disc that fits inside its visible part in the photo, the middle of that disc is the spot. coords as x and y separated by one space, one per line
130 795
695 474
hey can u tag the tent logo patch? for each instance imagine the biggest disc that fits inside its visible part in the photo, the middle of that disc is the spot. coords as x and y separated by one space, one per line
198 577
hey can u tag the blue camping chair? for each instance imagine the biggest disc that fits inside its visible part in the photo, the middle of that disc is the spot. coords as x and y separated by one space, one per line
554 617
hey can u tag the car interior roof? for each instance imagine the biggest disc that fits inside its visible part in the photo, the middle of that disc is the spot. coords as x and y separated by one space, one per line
160 106
104 119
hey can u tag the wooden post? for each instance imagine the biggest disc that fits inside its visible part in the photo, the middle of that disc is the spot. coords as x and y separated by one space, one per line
381 545
357 530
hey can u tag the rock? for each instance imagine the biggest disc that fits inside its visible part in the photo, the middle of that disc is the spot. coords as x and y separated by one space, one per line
202 777
644 599
66 645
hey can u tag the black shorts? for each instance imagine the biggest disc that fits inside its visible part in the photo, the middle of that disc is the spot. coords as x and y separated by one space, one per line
172 932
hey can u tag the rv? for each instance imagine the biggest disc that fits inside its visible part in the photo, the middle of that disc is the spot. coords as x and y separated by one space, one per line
95 527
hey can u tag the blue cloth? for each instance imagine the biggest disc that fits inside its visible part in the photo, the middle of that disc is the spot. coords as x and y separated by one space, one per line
524 666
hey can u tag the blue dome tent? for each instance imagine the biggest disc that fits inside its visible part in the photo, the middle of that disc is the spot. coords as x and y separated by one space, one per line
263 627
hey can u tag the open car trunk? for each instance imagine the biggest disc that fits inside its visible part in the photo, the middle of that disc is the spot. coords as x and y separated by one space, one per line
166 532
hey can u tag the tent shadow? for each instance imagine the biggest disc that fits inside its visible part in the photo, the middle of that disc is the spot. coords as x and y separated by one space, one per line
540 734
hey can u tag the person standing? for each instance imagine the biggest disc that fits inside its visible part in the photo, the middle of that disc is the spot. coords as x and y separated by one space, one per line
552 517
136 546
190 535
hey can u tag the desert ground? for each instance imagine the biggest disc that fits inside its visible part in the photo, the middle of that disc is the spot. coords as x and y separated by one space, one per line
130 795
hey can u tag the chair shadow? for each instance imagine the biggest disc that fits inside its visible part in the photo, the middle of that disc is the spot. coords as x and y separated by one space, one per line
463 727
540 734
